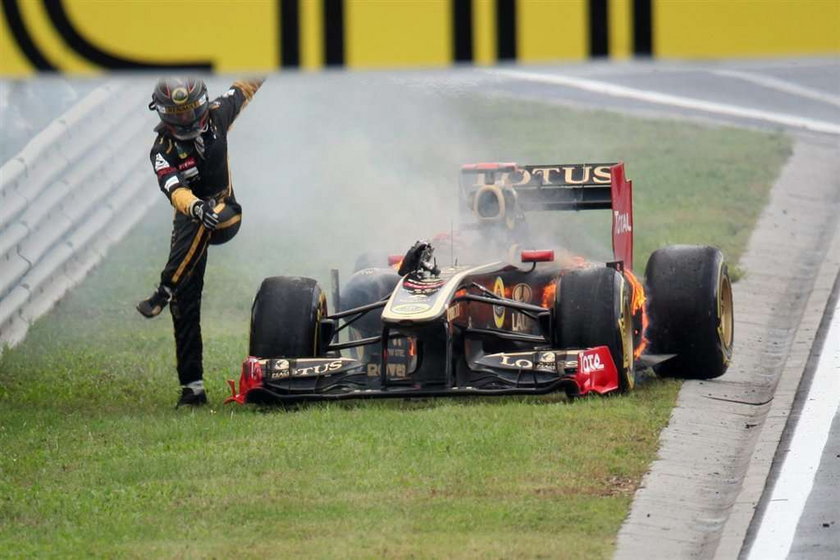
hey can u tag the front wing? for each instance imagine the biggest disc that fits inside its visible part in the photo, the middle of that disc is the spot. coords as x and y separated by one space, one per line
283 380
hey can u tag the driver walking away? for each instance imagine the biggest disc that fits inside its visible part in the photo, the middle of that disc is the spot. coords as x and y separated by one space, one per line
190 159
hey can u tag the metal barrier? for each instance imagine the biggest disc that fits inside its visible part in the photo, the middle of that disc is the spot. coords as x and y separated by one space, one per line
66 198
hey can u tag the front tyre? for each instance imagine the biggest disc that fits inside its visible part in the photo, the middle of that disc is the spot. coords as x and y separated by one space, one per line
690 311
286 317
592 308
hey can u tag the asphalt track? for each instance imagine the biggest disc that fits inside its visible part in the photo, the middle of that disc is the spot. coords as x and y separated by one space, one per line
722 446
799 516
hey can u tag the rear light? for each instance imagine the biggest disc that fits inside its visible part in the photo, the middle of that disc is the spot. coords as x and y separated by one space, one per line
537 256
394 260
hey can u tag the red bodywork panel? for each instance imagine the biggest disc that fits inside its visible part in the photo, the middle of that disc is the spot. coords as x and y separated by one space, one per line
251 378
596 371
537 256
622 215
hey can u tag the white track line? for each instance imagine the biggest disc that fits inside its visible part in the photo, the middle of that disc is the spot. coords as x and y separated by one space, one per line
778 526
780 85
613 90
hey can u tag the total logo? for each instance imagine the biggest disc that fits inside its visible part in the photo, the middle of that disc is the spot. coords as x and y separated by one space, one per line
622 222
590 362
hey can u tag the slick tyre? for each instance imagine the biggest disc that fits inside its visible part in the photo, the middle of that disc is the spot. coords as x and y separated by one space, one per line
286 317
371 259
592 308
690 311
367 286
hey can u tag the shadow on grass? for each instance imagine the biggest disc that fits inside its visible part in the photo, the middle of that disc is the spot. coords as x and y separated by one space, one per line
408 404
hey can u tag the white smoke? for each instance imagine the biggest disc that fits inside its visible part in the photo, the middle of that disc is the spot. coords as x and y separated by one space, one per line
332 166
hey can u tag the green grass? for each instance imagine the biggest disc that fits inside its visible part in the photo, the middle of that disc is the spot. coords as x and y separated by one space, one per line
96 462
499 479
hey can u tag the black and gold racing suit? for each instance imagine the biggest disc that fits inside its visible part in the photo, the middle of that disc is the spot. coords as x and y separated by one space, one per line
188 170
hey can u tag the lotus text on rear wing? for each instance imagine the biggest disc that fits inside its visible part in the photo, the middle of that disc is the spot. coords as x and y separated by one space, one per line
546 175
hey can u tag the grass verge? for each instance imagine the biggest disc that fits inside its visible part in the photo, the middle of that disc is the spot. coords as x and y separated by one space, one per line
96 463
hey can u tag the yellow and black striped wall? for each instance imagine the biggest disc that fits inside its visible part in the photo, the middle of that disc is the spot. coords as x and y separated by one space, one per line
89 36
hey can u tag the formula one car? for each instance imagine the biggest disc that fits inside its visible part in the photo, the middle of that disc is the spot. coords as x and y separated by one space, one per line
552 322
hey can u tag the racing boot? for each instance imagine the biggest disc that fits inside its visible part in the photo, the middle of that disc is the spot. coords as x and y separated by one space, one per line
154 304
192 395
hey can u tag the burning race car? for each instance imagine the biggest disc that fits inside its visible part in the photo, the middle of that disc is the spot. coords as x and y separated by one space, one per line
548 323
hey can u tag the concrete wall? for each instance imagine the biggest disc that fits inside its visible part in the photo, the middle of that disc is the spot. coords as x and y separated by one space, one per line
65 199
86 36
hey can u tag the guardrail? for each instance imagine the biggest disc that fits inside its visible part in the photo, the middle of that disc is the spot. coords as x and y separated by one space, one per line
71 193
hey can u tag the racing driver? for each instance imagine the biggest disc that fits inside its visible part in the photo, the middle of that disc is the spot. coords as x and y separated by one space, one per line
190 159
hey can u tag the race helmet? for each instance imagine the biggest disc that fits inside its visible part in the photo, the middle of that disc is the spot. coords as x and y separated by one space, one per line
182 105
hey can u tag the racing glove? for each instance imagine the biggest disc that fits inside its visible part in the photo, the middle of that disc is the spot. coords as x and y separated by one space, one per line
419 258
202 211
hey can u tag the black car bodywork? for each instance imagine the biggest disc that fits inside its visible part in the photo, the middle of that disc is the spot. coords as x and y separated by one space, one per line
550 322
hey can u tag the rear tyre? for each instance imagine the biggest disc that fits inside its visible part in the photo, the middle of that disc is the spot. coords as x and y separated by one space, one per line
690 310
371 259
592 308
285 318
365 287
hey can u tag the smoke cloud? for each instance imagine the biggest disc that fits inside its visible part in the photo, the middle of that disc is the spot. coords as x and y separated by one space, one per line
335 166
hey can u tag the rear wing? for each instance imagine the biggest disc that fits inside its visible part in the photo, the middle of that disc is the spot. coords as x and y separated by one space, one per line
578 186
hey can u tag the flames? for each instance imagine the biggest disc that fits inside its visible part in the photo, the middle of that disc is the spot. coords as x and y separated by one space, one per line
548 295
637 306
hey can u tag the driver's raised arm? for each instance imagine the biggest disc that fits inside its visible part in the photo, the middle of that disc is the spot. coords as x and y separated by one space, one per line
228 106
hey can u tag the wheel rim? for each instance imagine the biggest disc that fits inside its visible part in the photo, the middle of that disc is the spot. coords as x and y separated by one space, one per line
625 325
726 323
320 313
